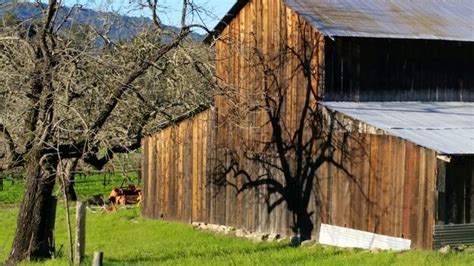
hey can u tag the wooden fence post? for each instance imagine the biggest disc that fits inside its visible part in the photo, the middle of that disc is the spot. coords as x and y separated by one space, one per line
51 219
98 257
80 232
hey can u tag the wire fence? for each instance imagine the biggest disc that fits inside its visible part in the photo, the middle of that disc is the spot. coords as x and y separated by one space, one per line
12 177
105 178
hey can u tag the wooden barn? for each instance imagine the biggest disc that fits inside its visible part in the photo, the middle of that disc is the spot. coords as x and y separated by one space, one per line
350 122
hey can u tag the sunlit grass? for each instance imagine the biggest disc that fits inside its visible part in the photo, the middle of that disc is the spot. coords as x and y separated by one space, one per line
85 187
12 191
127 239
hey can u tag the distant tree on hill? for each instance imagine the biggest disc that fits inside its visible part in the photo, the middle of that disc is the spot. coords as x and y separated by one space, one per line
9 19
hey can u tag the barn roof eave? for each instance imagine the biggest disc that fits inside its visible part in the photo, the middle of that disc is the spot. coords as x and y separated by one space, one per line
372 19
444 127
231 14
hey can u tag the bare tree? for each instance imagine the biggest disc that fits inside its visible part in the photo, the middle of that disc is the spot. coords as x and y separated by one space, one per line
69 91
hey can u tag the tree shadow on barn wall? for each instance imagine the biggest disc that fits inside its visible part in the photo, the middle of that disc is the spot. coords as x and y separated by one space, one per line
280 145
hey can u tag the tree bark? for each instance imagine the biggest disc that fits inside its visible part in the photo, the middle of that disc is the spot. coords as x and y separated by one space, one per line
70 192
69 173
35 223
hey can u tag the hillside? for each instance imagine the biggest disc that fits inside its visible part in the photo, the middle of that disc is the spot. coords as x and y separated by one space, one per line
124 27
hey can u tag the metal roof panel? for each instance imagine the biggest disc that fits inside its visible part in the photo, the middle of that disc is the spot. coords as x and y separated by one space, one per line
447 127
402 19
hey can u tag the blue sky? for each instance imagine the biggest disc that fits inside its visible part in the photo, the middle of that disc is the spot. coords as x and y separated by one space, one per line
170 12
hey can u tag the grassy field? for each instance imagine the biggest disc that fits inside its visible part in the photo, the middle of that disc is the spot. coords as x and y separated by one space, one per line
127 239
85 187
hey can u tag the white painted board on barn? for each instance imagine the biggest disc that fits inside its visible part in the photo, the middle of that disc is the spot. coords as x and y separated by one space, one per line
351 238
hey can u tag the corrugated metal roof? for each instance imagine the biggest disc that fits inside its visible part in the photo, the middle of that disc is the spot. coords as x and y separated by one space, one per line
405 19
446 127
351 238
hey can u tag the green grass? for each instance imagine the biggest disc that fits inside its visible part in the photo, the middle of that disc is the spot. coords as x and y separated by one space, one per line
12 191
85 187
94 184
127 239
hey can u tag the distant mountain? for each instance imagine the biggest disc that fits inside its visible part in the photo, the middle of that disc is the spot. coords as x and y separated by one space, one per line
124 27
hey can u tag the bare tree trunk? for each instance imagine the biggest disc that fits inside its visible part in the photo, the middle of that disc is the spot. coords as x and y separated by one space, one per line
63 174
70 192
68 222
35 224
69 183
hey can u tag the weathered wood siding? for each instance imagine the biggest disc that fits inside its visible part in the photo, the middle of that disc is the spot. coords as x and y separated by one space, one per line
374 69
262 52
383 184
175 170
379 183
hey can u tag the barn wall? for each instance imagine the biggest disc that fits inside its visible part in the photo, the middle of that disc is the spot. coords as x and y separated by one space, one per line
378 183
260 55
175 165
270 60
375 69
